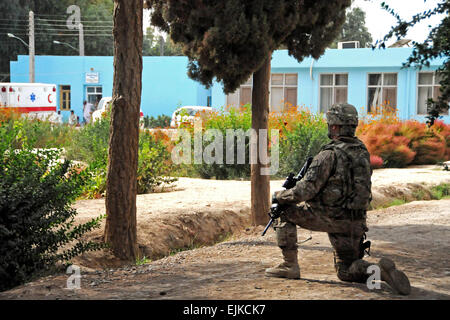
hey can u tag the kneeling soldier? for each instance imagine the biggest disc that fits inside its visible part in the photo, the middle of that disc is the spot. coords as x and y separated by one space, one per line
333 197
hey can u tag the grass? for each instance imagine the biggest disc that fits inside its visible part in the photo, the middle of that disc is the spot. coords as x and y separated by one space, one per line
438 192
441 191
395 202
142 260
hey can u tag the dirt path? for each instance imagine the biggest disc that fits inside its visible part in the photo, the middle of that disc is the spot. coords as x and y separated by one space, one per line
414 235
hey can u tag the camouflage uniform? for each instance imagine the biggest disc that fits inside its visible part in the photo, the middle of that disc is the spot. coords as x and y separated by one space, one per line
333 197
319 194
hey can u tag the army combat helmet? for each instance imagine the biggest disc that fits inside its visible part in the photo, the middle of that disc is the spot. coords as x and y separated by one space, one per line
342 114
345 116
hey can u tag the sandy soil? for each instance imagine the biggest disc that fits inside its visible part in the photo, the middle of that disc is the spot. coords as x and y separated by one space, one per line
198 212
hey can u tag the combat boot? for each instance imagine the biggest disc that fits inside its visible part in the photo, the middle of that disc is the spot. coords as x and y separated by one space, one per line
394 277
288 269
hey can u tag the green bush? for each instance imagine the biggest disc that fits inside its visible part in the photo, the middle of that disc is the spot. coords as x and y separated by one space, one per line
301 134
36 220
302 140
90 145
162 121
441 191
41 134
226 119
154 164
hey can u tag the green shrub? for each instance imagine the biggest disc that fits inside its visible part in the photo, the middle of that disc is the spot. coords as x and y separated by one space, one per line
162 121
37 228
222 121
441 191
301 134
91 145
95 186
303 139
154 165
42 134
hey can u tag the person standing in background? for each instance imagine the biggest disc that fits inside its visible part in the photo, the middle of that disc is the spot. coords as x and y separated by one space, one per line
73 119
87 111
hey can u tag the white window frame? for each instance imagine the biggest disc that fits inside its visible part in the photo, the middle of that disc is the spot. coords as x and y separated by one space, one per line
332 86
249 84
284 86
382 86
95 93
434 84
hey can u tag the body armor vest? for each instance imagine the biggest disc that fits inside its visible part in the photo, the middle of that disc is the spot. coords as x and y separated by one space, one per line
349 185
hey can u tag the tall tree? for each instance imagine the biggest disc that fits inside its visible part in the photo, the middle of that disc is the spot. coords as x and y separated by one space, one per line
230 40
121 186
436 45
50 24
156 45
354 29
13 19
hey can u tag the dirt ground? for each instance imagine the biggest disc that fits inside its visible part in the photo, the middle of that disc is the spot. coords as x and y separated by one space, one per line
199 212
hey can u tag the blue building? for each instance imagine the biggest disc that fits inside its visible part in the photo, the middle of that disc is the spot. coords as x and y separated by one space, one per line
365 78
165 84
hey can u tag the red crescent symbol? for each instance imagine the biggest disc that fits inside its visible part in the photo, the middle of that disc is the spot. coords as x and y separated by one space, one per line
49 98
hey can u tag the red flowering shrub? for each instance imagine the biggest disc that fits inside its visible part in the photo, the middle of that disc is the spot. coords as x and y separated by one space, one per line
406 142
386 142
444 130
429 150
376 162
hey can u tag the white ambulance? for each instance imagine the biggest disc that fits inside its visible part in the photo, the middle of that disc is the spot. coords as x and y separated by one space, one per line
35 100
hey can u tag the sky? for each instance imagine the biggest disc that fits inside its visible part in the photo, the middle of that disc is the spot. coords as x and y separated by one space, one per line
379 21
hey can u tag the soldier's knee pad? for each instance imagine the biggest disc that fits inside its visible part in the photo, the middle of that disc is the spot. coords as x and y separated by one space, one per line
286 235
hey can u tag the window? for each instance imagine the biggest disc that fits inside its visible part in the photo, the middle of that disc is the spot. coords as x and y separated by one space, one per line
93 94
64 98
283 91
333 89
427 88
382 91
242 95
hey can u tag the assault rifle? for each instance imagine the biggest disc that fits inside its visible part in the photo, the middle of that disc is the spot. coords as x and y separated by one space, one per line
276 208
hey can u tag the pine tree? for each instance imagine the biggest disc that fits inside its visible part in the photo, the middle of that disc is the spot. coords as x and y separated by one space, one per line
354 29
121 185
230 40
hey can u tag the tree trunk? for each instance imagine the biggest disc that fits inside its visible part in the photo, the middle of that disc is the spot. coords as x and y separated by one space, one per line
121 186
260 184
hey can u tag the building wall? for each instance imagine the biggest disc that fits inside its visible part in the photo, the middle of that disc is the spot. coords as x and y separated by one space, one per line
165 84
357 63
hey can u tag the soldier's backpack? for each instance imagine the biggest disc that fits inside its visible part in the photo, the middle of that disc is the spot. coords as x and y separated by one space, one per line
356 159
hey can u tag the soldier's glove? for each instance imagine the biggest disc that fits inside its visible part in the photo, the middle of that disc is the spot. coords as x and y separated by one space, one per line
274 198
276 210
